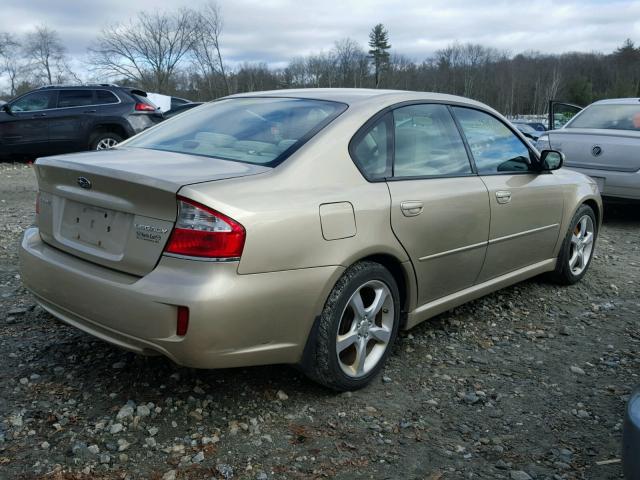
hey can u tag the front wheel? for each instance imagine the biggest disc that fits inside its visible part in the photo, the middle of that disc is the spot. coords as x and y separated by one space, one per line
577 249
357 328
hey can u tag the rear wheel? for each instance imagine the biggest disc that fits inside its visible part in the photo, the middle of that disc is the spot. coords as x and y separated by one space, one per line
577 249
357 328
104 140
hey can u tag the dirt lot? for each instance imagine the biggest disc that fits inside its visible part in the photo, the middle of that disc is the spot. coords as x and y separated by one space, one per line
527 383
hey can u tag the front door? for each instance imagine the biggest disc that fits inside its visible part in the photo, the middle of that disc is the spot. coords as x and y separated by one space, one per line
526 205
25 129
439 206
560 113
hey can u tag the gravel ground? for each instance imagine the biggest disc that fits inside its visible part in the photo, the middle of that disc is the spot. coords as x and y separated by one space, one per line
529 382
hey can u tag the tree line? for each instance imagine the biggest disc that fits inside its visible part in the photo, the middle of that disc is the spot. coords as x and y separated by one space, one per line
180 53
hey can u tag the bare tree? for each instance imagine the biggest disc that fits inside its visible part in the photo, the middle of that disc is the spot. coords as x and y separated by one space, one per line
349 55
46 55
147 50
206 48
11 63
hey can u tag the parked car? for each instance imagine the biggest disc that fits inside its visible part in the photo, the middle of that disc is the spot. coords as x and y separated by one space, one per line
539 126
64 119
603 141
631 438
527 130
181 109
302 226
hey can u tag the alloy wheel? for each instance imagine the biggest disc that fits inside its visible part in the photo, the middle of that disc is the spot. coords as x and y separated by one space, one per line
581 246
106 143
365 328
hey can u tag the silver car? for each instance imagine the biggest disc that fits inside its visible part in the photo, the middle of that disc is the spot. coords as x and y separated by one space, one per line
603 142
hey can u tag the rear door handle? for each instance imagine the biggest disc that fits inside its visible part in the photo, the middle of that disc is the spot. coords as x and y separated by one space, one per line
411 208
38 115
90 111
503 196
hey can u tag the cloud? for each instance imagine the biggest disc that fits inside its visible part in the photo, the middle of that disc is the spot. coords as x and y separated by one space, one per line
274 31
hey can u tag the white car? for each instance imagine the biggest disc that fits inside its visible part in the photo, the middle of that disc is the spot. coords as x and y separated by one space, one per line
603 142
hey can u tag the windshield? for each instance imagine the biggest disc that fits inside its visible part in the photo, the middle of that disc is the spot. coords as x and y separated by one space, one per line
262 131
608 116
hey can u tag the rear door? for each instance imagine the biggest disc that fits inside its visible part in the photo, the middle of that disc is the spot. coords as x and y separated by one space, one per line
560 113
526 205
439 207
26 128
70 121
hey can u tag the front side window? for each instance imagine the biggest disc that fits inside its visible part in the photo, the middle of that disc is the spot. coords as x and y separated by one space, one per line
75 98
258 130
608 117
32 102
495 148
427 143
371 150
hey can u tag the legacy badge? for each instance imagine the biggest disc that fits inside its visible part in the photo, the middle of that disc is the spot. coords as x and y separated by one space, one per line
150 233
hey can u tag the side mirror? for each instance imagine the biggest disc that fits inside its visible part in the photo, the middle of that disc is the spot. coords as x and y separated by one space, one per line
6 108
551 160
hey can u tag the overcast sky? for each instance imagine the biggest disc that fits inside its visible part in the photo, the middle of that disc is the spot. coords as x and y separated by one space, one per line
276 30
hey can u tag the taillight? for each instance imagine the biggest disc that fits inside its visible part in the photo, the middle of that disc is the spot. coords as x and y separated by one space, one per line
145 107
203 232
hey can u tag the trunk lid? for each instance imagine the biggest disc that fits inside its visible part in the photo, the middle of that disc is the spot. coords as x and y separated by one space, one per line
614 150
117 207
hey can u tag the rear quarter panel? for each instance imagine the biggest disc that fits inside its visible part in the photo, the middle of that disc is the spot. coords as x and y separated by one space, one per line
280 210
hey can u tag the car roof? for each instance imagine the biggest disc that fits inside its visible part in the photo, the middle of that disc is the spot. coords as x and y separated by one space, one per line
618 101
352 96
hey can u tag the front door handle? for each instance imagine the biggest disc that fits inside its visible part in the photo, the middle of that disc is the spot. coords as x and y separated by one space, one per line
503 196
38 115
411 208
90 111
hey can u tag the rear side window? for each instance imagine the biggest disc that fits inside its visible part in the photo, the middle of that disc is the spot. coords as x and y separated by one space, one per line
495 148
74 98
104 97
608 117
258 130
371 149
427 143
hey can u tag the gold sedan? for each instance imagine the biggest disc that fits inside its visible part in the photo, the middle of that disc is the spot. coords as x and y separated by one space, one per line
301 226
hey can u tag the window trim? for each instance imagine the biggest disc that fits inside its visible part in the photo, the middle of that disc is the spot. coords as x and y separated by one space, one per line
533 154
93 95
54 92
449 104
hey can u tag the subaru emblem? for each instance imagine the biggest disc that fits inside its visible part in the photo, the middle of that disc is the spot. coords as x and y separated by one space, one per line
84 182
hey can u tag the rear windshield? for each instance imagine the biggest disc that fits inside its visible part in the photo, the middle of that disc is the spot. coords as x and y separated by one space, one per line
609 117
262 131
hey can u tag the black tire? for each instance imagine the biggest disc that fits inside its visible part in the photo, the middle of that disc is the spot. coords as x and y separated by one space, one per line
99 137
323 365
563 273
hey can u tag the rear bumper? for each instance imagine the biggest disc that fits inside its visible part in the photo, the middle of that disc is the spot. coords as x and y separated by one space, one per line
616 184
234 320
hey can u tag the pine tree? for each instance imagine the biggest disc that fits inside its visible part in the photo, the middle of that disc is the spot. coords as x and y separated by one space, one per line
379 43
